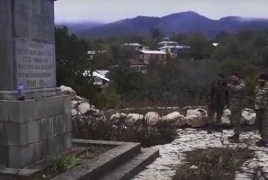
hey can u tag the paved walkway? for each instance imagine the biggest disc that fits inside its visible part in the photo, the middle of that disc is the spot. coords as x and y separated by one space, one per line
190 139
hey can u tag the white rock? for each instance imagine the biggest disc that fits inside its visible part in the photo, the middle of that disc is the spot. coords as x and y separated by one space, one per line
193 167
74 103
79 98
102 118
248 116
174 118
67 90
227 113
118 118
152 118
134 119
196 117
225 120
75 112
83 107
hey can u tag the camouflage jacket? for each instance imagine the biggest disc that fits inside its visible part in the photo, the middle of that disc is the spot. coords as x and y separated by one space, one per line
261 97
237 95
218 95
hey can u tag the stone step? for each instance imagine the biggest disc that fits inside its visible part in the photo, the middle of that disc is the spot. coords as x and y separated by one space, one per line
103 164
131 168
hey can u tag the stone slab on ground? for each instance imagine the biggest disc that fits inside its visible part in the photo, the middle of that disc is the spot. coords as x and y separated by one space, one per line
172 154
123 161
100 165
40 166
129 169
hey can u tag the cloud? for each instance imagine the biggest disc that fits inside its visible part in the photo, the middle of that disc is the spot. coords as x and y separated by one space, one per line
112 10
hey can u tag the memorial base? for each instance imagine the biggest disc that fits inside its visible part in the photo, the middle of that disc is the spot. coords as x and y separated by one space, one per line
30 94
33 129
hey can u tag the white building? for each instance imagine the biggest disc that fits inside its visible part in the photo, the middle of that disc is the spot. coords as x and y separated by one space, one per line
135 46
92 53
167 42
99 77
147 55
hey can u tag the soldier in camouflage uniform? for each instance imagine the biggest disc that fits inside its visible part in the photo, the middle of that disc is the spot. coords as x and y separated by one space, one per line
218 96
236 104
261 104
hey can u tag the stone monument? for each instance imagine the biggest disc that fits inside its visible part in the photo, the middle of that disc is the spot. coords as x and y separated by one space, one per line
39 126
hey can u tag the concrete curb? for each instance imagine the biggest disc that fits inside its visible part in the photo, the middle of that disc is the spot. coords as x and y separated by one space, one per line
101 165
128 170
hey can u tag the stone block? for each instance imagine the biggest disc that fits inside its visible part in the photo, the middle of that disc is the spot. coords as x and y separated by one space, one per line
68 118
3 138
68 141
67 104
21 156
49 106
45 127
21 111
33 132
59 125
4 155
3 111
56 144
16 134
44 148
30 93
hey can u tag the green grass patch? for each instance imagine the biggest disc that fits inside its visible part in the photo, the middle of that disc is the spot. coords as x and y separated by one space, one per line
220 163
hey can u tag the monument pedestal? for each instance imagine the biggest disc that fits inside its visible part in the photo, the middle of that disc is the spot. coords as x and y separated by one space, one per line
40 126
31 94
33 129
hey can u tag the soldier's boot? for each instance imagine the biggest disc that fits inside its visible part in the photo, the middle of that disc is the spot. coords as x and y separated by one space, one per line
234 138
209 131
218 128
261 143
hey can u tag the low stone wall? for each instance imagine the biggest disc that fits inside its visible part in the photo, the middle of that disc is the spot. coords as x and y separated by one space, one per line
190 116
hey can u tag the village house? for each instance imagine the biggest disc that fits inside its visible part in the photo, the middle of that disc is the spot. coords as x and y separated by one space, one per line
147 55
139 65
167 42
134 46
99 77
91 54
173 49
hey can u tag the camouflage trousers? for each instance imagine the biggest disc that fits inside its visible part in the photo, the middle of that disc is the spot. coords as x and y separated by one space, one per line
236 120
262 123
211 114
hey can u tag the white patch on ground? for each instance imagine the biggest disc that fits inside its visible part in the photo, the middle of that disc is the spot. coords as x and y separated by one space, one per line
190 139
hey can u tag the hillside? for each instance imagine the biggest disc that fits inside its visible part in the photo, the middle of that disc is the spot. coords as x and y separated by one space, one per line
78 28
184 22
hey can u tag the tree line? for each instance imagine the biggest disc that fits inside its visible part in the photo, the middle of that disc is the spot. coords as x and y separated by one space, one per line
175 82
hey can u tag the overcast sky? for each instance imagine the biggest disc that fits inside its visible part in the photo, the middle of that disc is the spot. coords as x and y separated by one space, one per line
112 10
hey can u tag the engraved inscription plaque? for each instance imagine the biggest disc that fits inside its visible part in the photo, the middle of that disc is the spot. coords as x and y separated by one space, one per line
35 62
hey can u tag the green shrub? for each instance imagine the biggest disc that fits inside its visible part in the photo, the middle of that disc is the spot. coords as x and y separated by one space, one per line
64 162
91 128
220 163
109 98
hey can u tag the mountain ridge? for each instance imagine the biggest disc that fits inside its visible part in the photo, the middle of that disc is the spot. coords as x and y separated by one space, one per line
182 22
